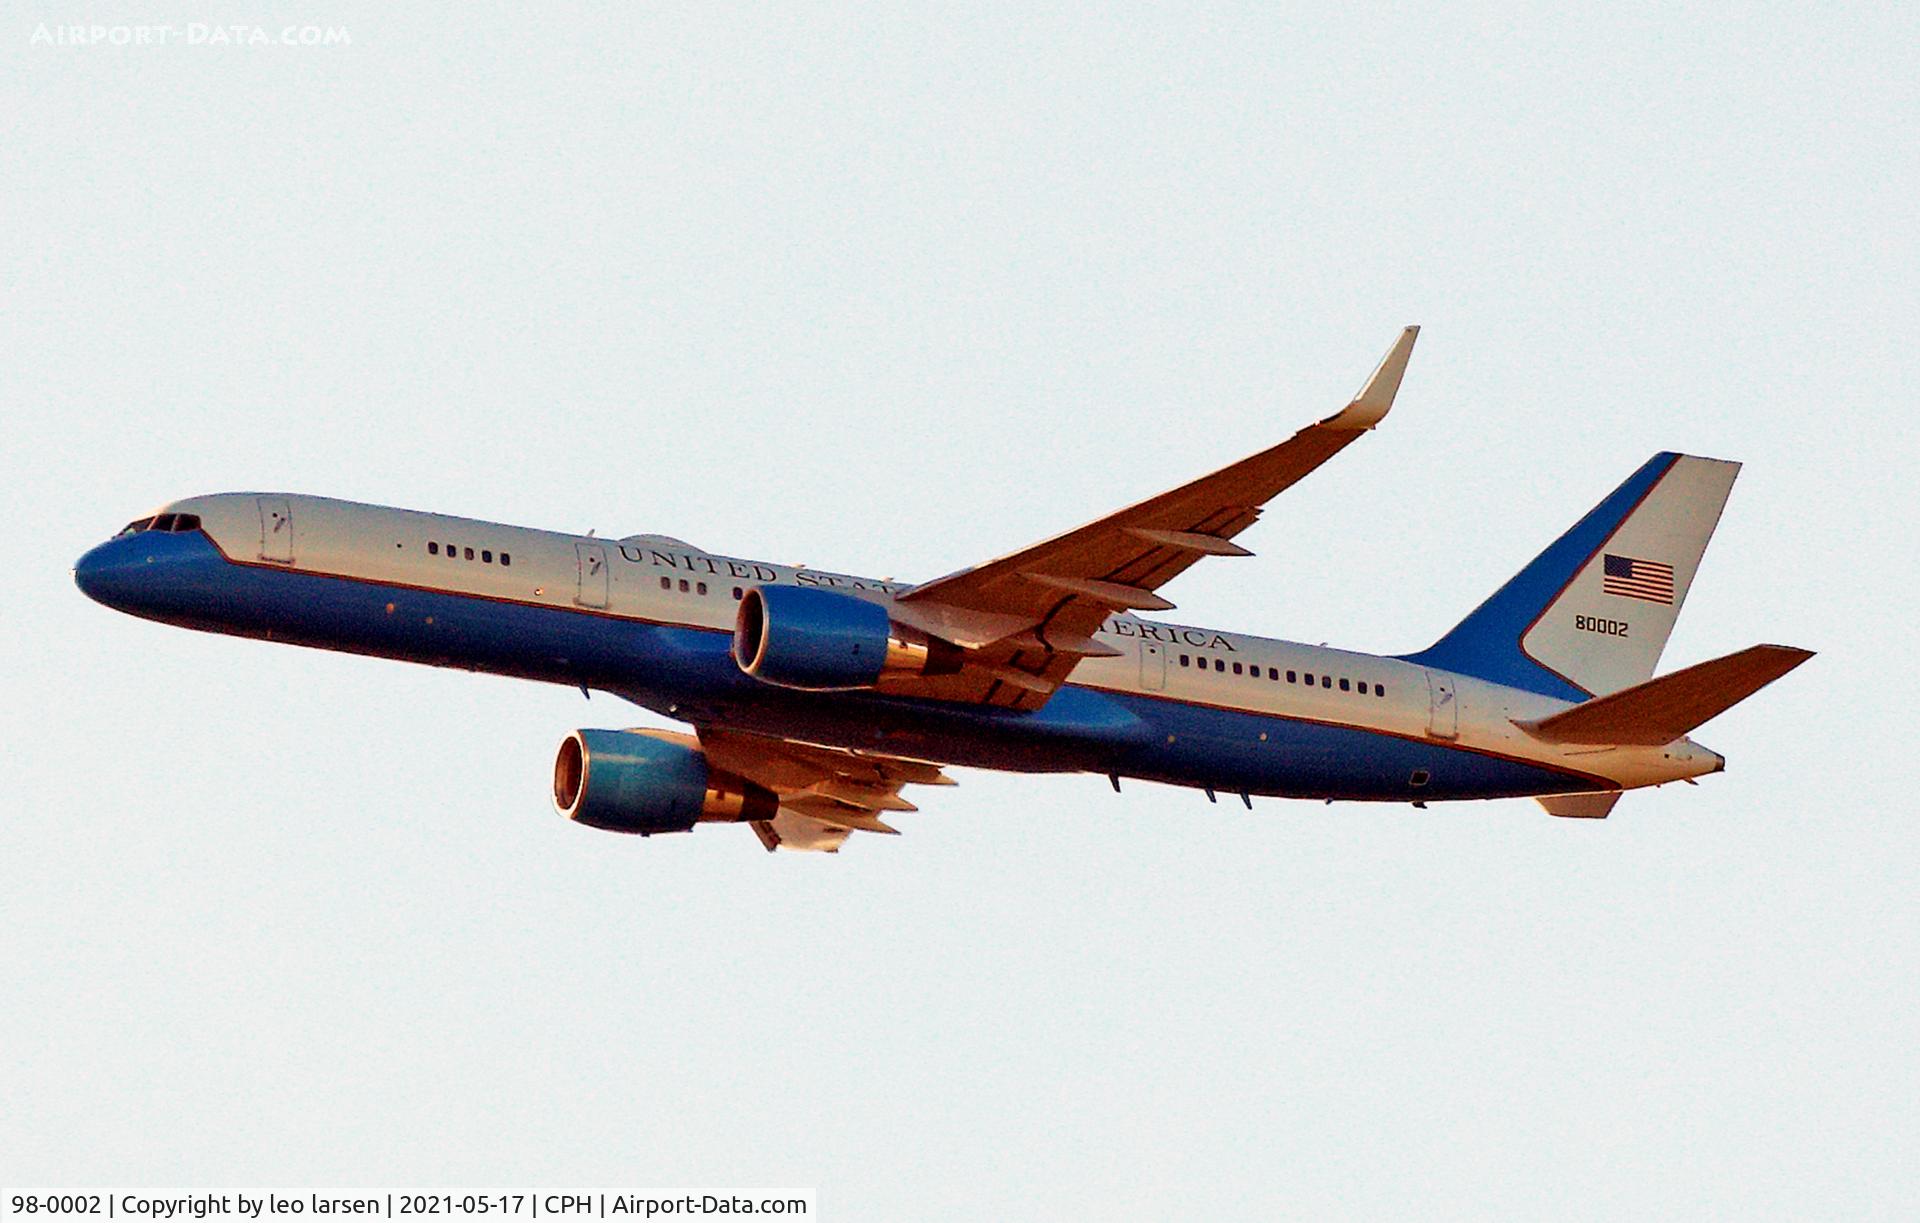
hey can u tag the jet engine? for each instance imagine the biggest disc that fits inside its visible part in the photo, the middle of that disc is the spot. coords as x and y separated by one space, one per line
824 640
644 782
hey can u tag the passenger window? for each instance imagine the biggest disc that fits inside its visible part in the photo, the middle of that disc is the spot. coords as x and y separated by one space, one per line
1219 664
1186 660
702 588
1326 681
486 556
1291 678
1379 690
738 593
453 553
683 586
1273 673
469 553
505 559
1344 686
666 583
1236 668
433 549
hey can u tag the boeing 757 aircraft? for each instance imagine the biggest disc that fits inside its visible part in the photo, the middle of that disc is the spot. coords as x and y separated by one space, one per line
815 698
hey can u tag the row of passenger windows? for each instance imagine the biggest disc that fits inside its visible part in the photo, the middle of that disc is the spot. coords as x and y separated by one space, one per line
172 523
452 552
1252 671
686 587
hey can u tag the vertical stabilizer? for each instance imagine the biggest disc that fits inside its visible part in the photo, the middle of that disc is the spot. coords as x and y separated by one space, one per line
1592 613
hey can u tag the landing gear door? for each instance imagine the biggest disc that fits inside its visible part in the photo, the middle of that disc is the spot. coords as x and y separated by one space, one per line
1443 707
276 530
1153 665
592 591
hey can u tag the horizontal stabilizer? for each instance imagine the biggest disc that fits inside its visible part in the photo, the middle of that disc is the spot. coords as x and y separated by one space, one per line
1662 710
1580 806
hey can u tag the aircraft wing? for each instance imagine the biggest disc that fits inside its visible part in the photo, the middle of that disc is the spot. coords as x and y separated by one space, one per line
826 793
1027 618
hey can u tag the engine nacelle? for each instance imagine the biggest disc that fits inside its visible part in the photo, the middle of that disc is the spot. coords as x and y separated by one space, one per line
649 781
825 640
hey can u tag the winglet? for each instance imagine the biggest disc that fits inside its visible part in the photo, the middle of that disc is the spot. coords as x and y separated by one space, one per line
1370 406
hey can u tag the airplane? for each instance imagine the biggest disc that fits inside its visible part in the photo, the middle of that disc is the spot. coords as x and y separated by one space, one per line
815 698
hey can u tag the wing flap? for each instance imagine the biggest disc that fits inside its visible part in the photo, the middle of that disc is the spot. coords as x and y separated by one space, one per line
796 831
826 793
865 797
1116 595
1191 541
841 816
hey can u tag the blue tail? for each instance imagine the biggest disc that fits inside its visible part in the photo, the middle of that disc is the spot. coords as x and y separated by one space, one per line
1592 613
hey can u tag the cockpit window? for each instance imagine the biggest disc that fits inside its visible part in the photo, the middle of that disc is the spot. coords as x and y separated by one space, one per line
171 523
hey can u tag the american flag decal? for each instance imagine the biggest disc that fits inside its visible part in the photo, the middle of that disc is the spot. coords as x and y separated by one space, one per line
1633 579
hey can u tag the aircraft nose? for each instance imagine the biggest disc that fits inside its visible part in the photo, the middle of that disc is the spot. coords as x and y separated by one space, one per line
107 574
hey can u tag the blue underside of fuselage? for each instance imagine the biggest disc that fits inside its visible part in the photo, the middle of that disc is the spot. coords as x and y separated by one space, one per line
689 674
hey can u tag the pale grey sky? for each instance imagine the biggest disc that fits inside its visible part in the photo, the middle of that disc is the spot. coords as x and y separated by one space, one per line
891 291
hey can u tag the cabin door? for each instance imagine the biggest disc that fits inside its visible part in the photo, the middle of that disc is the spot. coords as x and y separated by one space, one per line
592 591
276 530
1153 665
1443 707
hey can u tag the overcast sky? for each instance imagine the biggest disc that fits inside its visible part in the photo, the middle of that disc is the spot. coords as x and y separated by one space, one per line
892 290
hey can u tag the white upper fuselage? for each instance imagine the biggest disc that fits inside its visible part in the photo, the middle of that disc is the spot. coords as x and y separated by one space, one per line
663 581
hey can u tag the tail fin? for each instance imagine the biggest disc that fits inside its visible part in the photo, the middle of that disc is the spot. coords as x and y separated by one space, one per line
1592 613
1661 710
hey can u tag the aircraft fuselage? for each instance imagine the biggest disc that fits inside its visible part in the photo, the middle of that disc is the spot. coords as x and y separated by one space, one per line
650 619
